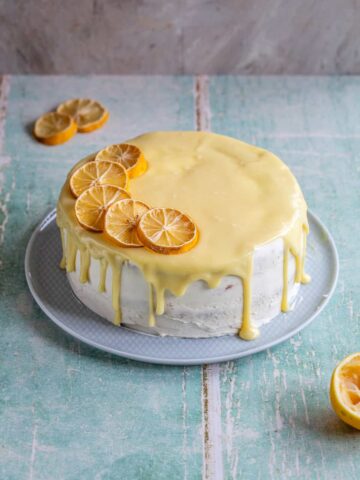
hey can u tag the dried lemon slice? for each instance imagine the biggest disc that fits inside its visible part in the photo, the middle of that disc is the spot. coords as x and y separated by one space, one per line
91 206
345 390
122 219
88 114
54 128
167 231
130 157
97 173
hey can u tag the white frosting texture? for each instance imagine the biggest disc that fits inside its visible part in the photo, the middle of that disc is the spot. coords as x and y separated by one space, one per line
201 311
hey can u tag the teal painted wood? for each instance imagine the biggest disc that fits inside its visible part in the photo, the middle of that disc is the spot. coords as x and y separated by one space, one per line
276 419
67 411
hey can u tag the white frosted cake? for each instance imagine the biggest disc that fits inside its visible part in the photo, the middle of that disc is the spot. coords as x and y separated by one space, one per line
229 259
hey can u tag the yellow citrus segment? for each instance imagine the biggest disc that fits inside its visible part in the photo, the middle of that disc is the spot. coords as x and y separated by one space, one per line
130 157
121 222
54 128
88 114
91 206
345 390
98 173
167 231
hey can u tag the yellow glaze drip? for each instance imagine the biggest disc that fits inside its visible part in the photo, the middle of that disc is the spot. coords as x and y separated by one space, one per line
152 321
284 298
240 196
298 267
103 270
247 330
305 278
85 259
116 291
63 245
71 251
160 301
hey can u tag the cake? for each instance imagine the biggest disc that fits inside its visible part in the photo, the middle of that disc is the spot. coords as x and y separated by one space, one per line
245 263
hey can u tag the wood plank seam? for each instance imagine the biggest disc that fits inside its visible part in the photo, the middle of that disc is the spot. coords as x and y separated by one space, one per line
229 377
33 452
4 92
185 426
202 103
211 398
4 160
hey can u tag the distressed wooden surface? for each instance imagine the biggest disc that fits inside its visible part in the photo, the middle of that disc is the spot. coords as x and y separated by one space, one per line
276 417
70 412
67 411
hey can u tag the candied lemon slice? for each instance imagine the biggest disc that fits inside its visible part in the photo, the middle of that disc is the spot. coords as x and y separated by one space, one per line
122 219
54 128
167 231
91 206
88 114
130 157
345 390
97 173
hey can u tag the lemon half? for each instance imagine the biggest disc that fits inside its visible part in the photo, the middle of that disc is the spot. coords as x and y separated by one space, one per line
345 390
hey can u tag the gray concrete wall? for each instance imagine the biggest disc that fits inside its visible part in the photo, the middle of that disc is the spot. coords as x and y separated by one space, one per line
180 36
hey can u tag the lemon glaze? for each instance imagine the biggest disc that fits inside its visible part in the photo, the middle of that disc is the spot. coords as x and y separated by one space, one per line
241 197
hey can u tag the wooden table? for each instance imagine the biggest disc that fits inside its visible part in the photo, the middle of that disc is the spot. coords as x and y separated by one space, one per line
70 412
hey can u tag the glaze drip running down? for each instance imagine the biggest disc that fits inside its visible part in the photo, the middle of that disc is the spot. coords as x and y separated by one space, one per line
240 196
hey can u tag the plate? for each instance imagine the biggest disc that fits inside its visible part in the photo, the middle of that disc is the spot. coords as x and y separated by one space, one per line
51 290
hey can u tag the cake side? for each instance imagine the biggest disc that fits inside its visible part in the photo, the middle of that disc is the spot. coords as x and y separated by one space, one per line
200 312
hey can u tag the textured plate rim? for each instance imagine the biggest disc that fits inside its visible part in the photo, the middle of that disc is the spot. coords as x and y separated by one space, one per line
50 217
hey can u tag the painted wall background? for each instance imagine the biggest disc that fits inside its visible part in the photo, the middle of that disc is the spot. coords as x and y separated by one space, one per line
180 36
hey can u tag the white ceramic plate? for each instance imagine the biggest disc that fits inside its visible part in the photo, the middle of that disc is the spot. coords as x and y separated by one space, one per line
51 290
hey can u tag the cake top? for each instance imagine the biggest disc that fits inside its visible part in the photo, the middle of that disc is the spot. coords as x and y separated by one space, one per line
240 197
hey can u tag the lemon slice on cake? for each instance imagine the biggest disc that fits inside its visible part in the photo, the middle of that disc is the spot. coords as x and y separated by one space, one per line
98 173
88 114
167 231
129 156
54 128
345 390
121 222
92 204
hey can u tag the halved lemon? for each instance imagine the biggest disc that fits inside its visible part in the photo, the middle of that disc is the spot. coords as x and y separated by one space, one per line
88 114
345 390
98 173
130 157
91 206
122 219
167 231
54 128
